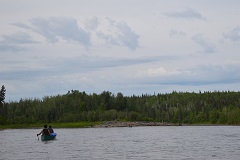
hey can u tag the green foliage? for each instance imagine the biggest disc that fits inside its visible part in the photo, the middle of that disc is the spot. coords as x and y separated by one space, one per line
2 120
175 107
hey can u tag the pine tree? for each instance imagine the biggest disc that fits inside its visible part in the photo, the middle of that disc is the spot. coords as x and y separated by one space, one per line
2 94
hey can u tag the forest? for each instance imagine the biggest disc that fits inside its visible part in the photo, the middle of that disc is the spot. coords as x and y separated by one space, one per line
176 107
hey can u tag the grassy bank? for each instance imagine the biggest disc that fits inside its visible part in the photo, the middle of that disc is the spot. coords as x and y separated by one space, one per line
54 125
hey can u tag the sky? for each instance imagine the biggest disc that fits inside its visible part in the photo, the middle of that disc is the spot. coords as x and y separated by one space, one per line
130 46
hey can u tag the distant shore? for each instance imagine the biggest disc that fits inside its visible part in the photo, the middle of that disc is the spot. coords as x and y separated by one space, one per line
107 124
134 124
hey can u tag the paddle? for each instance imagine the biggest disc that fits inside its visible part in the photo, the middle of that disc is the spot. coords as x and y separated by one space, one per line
37 136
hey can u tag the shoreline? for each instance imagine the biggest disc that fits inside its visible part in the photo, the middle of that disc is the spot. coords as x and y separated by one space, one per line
106 124
110 124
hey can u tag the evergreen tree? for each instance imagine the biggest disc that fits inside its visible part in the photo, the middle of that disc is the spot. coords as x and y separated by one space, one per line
2 94
2 113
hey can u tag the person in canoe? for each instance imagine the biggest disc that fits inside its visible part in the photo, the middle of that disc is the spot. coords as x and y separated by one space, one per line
50 129
44 131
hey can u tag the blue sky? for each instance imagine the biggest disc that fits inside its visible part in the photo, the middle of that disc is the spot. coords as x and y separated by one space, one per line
129 46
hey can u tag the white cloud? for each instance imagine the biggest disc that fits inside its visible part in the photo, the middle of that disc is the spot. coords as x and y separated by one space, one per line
66 28
176 33
185 14
58 27
120 34
155 72
233 35
91 23
14 42
69 29
128 37
207 46
10 48
197 75
18 38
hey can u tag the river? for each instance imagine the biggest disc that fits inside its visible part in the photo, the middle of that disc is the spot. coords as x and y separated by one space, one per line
136 143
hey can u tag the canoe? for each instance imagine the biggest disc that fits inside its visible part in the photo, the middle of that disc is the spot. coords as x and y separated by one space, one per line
48 137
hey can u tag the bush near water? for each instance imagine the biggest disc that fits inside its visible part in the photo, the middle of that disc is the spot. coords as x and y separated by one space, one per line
75 106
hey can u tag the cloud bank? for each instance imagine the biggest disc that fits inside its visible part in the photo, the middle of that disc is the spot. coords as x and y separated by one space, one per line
69 29
126 46
206 45
233 35
188 13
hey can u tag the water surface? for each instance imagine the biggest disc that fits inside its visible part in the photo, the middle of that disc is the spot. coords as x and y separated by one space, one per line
136 143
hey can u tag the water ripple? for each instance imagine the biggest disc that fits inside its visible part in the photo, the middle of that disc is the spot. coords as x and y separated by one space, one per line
141 143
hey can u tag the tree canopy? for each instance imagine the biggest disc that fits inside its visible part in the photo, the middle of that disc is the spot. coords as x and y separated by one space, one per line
176 107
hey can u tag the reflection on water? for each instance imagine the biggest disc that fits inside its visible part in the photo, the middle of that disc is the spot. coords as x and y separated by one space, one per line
136 143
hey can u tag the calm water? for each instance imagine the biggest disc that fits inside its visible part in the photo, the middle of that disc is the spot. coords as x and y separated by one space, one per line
136 143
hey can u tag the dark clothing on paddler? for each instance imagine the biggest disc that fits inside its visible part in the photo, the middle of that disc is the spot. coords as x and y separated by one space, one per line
45 131
50 129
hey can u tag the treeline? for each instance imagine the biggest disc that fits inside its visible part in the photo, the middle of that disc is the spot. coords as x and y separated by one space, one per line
175 107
